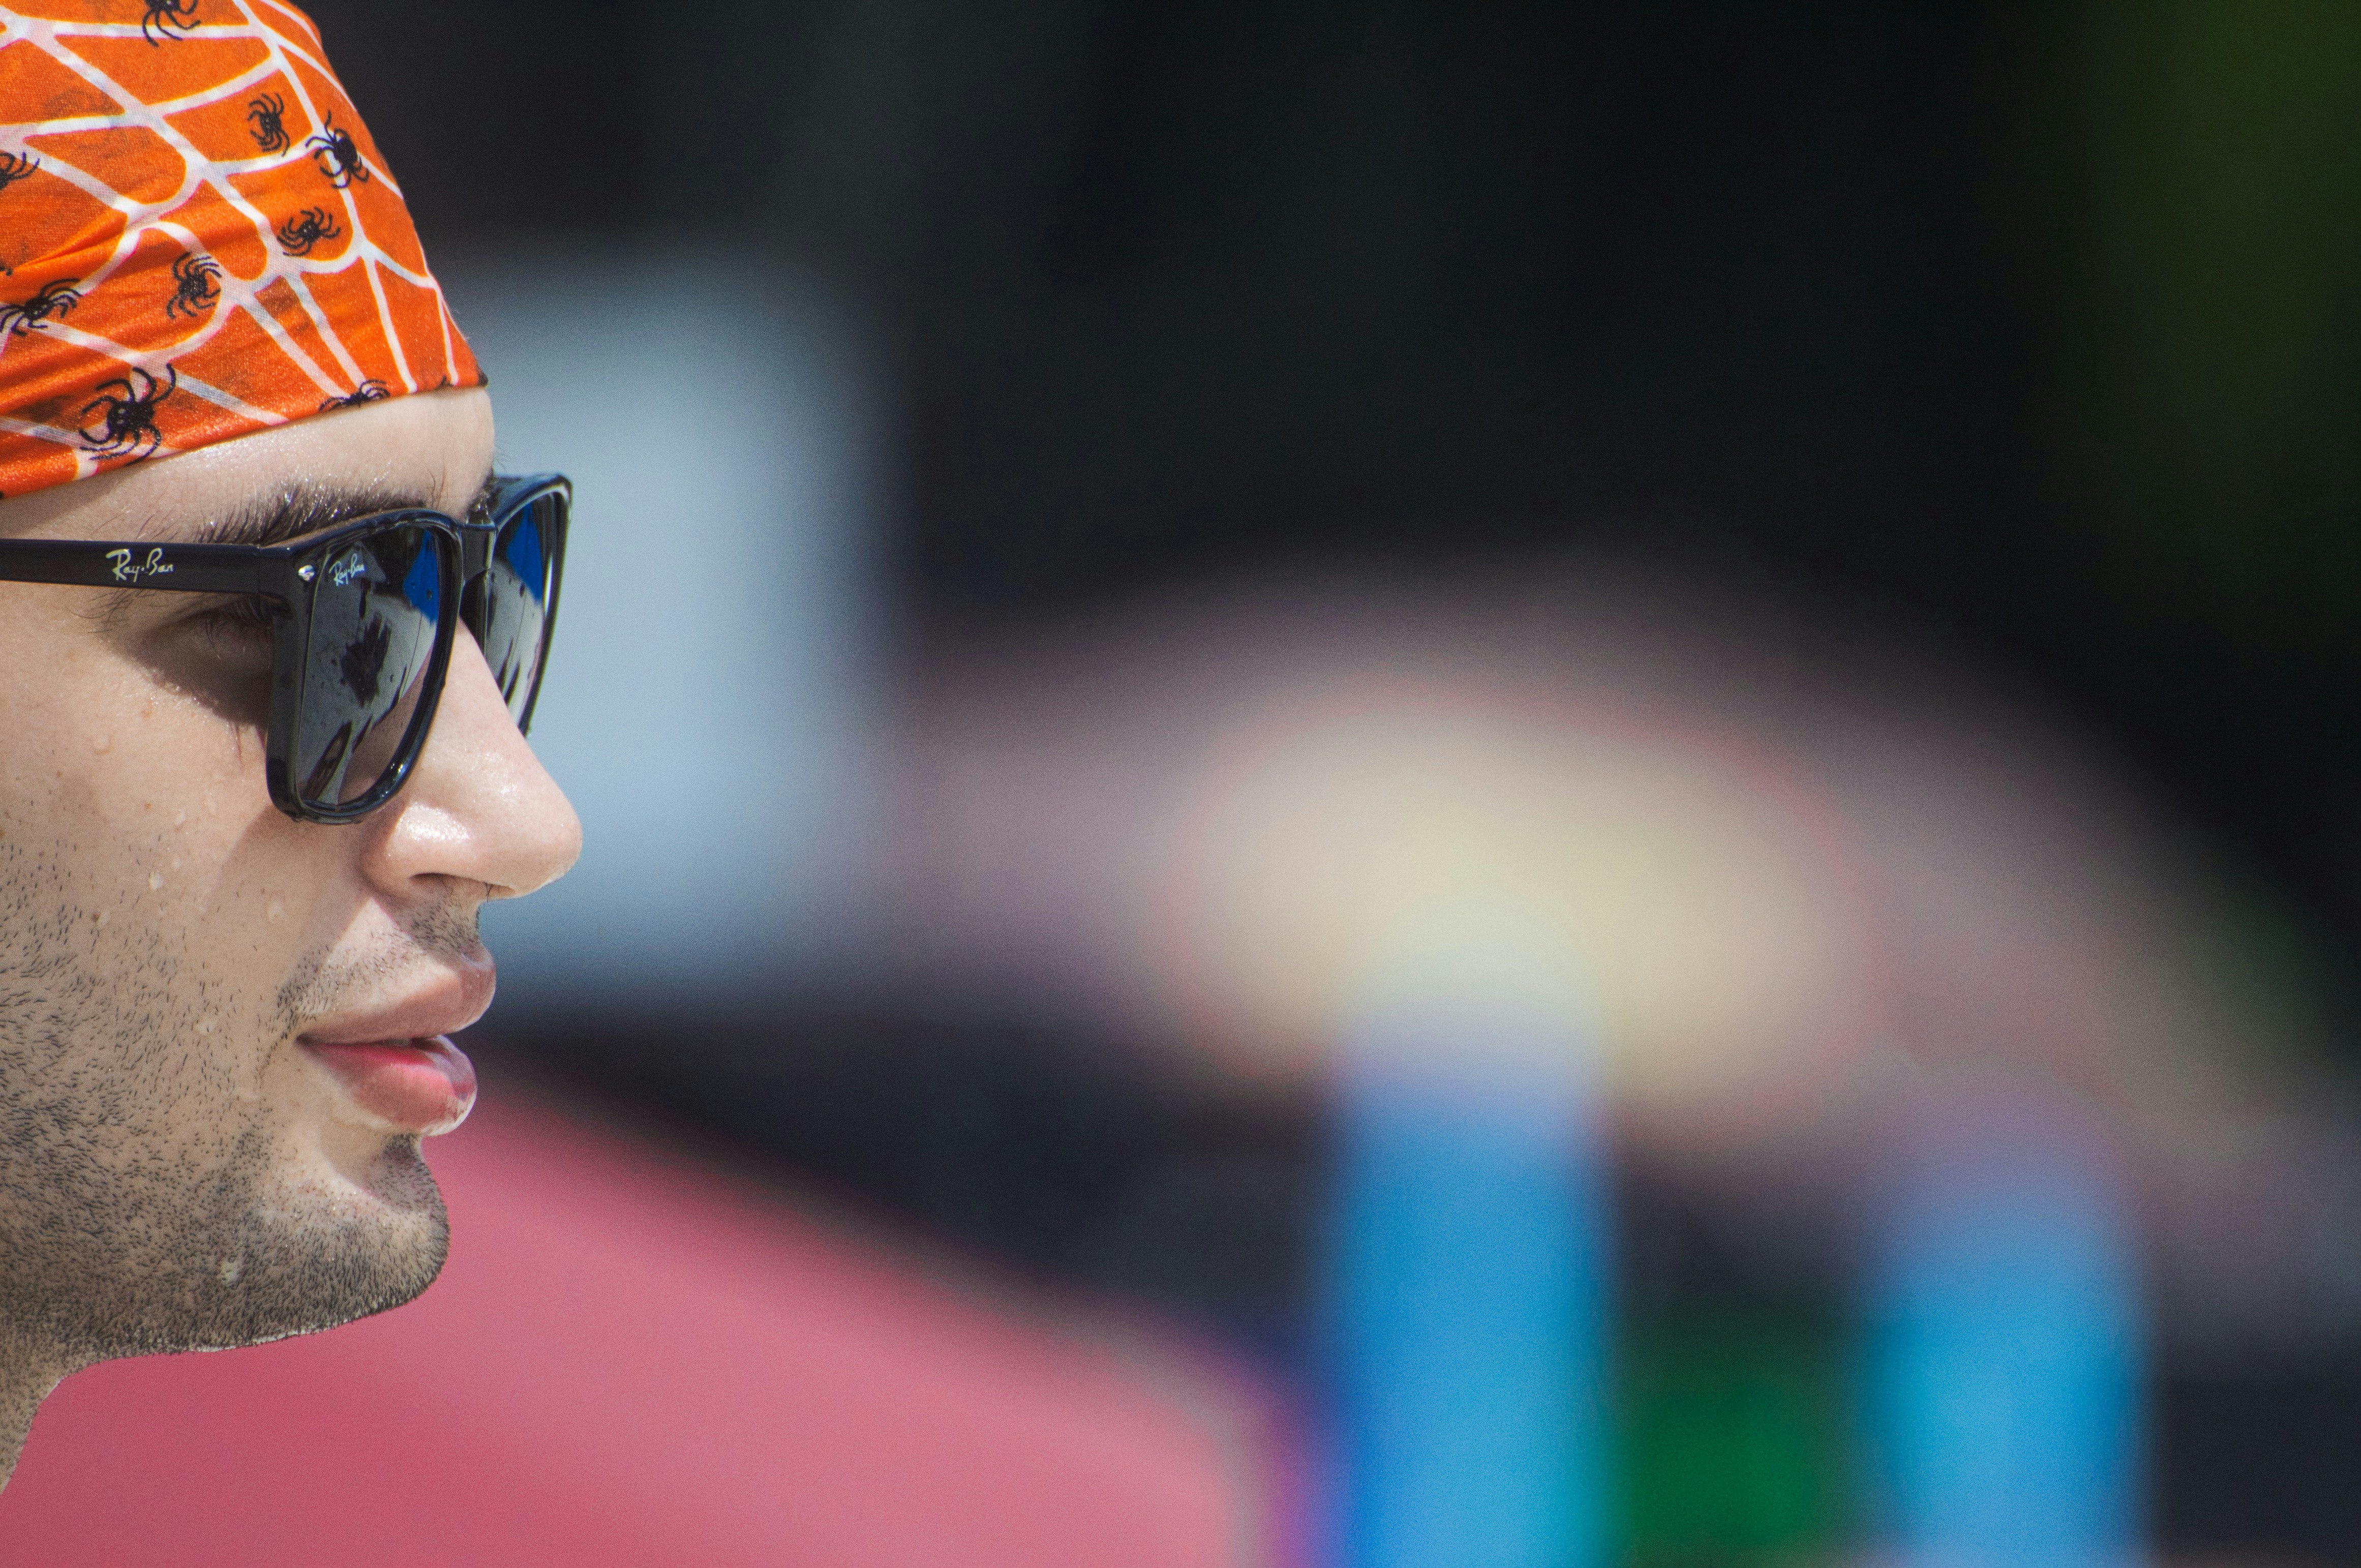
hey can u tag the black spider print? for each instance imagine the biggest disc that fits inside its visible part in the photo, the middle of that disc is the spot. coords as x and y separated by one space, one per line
369 391
14 166
48 302
123 424
338 155
262 116
168 19
307 228
198 280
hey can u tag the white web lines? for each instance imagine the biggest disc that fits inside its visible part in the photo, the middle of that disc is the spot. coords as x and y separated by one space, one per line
288 52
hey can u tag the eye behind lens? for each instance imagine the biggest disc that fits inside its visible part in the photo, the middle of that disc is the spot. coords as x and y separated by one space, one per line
215 651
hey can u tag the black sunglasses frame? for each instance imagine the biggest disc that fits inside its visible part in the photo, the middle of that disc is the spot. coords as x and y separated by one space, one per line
283 576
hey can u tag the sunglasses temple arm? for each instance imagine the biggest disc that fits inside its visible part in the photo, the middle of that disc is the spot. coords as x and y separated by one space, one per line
130 564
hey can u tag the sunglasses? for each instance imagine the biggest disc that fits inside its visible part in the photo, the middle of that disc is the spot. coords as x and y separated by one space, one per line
364 617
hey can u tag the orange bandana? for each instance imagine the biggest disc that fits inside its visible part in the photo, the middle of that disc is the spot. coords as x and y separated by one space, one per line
198 238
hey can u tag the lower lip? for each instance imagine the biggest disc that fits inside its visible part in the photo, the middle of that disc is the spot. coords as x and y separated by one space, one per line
423 1087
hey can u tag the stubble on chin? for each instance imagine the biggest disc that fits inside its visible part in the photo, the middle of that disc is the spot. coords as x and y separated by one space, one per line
148 1201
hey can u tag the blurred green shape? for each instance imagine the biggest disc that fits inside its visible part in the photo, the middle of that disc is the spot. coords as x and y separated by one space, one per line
2185 190
1732 1438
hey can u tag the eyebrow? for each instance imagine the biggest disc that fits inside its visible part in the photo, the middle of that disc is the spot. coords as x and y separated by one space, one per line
306 508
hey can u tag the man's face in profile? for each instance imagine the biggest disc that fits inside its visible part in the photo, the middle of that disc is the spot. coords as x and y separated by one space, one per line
209 1120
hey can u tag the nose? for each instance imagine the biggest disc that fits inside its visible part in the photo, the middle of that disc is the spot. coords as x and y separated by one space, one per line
478 807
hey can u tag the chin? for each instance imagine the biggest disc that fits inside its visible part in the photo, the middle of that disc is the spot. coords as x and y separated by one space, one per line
397 1177
301 1260
274 1236
327 1258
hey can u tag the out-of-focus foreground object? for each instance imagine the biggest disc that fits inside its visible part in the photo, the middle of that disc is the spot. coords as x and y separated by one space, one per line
630 1361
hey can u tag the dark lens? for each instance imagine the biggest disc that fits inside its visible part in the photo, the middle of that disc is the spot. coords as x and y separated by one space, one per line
516 600
375 607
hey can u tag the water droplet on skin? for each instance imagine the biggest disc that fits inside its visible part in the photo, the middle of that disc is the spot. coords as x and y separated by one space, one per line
102 916
101 744
230 1270
179 818
278 907
206 1025
155 882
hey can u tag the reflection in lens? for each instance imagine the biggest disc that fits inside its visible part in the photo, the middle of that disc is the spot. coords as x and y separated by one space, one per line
375 608
516 597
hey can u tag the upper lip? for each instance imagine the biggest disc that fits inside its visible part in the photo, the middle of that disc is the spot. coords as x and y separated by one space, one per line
455 999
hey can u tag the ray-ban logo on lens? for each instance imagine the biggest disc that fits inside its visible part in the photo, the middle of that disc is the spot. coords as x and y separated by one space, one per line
346 570
127 570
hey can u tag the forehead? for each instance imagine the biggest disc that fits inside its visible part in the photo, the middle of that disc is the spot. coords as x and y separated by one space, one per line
433 449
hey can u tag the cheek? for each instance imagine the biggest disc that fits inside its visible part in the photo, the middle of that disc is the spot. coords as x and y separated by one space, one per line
45 742
98 739
165 854
157 807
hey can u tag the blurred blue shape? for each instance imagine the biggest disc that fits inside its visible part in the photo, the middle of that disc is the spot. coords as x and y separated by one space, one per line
1469 1284
2005 1356
710 699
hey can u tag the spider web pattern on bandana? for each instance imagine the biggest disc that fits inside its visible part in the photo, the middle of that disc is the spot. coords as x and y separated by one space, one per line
198 238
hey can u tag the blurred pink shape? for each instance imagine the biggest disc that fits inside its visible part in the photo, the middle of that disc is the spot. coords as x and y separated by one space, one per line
631 1360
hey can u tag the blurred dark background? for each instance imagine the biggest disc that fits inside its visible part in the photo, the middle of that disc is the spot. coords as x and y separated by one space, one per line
2040 321
2037 327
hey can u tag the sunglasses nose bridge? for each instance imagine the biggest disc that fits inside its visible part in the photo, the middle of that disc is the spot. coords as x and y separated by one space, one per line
476 540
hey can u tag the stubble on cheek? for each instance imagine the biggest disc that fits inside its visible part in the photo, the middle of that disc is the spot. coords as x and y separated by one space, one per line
153 1194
